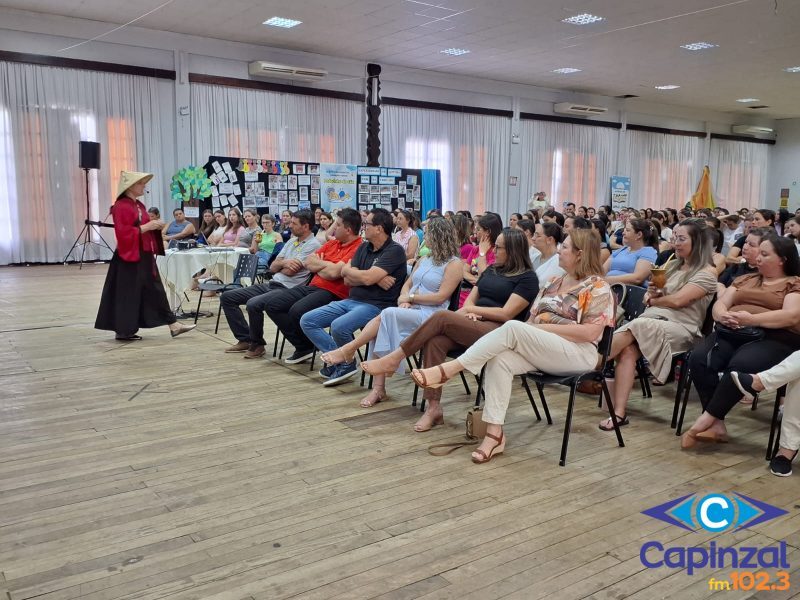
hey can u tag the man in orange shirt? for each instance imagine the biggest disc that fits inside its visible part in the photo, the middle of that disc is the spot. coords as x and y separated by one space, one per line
285 307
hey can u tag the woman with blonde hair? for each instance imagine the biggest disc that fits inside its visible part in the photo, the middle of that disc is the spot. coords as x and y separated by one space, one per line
566 323
672 320
429 289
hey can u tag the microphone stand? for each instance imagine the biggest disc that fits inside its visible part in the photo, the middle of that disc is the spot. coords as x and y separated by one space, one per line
89 227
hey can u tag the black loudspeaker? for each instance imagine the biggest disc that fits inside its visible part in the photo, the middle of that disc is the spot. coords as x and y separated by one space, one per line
89 155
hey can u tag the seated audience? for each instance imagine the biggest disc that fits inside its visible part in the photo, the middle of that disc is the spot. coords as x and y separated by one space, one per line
793 231
601 227
288 271
263 244
716 240
546 239
528 227
179 229
376 275
251 228
732 230
482 255
569 210
285 226
503 292
762 218
769 303
215 239
566 323
234 229
590 212
514 219
666 230
405 235
207 226
154 213
749 259
429 289
672 320
286 307
325 230
631 264
786 372
553 216
463 230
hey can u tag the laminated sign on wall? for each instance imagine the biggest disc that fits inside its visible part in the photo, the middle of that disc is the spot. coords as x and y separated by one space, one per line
620 192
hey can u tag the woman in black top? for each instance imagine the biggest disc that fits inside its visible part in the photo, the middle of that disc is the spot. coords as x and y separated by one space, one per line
503 292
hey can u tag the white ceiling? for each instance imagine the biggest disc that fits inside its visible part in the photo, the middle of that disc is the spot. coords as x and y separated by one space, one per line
636 47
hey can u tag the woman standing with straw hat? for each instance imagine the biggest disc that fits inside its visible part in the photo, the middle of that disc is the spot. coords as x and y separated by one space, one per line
133 296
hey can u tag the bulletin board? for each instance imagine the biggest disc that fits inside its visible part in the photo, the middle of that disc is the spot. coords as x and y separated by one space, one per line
274 186
265 185
383 187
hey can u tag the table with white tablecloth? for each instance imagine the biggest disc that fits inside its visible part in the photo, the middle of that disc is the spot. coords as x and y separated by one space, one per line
177 267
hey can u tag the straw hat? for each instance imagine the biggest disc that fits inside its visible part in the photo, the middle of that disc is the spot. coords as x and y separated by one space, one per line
129 178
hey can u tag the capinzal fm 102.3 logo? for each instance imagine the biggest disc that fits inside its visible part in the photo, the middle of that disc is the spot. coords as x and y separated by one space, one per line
716 513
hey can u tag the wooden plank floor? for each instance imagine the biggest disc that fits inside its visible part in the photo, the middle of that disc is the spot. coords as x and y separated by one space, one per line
168 469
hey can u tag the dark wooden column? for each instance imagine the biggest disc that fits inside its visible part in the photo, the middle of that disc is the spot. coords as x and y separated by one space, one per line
373 115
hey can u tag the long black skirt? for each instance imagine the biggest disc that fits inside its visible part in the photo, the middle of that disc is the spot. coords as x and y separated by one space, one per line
133 297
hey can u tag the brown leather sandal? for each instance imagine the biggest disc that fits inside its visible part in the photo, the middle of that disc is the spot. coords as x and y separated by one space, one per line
419 378
501 444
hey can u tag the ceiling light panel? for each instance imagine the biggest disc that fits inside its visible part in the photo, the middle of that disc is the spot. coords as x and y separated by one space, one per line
695 46
566 71
455 51
584 19
792 69
282 22
670 86
746 100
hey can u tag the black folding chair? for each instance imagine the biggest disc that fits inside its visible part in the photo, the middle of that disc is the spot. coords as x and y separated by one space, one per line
774 443
246 267
572 381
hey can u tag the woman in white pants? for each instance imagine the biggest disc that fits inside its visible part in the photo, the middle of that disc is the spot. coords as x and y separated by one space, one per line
786 372
561 336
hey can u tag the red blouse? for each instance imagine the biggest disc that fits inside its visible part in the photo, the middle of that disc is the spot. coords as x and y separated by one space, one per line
129 215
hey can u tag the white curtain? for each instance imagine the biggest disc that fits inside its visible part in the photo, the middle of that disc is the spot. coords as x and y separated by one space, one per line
739 173
571 163
44 113
230 121
471 151
664 169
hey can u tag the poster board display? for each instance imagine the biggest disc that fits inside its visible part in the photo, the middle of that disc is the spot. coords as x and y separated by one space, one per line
385 187
273 186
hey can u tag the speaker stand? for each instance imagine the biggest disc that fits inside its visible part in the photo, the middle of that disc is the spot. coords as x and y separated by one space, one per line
89 227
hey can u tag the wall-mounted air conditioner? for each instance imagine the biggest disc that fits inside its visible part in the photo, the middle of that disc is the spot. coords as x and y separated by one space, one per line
261 68
752 130
583 110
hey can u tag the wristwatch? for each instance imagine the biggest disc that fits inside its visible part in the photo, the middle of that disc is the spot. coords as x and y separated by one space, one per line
411 298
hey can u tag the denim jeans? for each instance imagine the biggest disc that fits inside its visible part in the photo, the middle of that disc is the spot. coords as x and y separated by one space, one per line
343 317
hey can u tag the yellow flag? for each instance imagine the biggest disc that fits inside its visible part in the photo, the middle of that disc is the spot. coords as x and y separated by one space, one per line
704 197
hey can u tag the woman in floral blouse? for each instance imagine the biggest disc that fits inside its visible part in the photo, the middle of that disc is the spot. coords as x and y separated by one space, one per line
560 337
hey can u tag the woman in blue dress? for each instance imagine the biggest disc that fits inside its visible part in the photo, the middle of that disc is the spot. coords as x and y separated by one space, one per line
433 282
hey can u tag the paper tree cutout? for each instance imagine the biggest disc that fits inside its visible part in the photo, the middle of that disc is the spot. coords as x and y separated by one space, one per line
190 183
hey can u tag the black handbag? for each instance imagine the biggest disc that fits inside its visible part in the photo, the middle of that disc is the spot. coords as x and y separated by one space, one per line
737 337
742 335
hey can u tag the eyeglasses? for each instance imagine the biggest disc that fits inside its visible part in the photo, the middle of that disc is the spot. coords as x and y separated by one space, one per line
680 238
368 223
499 247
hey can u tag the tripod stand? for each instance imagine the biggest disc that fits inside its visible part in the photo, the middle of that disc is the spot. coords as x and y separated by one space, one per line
89 227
